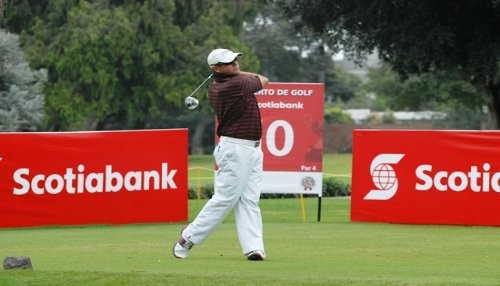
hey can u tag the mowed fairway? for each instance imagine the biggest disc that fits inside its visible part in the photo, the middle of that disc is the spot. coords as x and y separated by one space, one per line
332 252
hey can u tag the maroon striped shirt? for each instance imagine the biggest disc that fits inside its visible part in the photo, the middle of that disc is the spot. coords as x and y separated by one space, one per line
236 107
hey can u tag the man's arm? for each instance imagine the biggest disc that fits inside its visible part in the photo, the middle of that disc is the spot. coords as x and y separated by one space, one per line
263 80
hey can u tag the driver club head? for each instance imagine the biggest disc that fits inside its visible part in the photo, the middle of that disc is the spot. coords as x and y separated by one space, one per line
191 102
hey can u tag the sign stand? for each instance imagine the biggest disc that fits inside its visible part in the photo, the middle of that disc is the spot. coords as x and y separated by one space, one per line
319 208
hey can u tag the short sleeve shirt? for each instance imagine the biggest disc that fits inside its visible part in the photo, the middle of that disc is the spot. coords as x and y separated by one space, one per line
236 107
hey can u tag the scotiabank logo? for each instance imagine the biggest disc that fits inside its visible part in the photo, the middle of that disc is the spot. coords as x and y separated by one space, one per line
477 179
384 177
78 181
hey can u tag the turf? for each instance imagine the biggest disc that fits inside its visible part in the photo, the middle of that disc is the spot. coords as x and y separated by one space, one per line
331 252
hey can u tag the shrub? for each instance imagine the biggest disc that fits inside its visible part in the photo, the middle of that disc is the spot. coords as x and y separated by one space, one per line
206 192
335 188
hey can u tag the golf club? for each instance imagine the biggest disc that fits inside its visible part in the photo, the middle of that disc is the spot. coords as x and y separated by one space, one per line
191 102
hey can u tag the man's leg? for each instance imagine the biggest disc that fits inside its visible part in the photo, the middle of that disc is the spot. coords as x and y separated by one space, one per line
230 182
247 211
228 186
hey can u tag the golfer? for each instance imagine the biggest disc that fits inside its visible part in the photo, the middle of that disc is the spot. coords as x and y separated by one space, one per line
238 157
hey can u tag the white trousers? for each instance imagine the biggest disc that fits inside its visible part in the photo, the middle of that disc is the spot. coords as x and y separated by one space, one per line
237 185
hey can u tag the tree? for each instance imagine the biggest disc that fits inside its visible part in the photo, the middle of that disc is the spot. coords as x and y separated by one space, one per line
341 85
126 64
109 65
21 15
21 97
122 64
211 26
2 9
438 91
415 36
288 56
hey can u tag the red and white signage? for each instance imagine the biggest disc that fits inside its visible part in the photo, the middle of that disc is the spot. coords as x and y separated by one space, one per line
292 139
426 177
72 178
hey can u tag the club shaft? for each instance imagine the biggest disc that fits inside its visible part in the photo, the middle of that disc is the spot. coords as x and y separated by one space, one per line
194 91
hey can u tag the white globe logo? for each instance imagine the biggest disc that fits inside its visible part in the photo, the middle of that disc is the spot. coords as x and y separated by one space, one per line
383 176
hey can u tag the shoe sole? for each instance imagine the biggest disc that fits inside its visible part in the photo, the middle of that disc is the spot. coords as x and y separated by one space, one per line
255 257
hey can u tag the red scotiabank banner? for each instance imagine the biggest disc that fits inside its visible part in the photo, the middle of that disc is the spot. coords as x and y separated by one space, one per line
426 177
292 139
108 177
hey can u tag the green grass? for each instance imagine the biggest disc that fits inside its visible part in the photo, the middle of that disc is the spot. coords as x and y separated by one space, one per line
332 252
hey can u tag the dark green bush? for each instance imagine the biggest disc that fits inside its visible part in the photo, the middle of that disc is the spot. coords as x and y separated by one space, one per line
335 188
206 192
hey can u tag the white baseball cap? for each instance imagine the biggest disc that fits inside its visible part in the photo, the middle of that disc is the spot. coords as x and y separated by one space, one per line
221 56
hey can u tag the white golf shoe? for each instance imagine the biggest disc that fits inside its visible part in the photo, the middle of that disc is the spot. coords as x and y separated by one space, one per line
181 248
